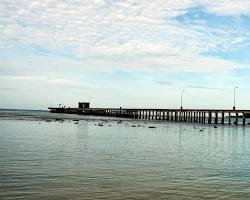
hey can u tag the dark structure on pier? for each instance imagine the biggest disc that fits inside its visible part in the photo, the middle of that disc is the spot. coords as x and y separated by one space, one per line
83 105
205 116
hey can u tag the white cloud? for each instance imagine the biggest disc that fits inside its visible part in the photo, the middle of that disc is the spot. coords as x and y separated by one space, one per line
228 7
139 33
23 78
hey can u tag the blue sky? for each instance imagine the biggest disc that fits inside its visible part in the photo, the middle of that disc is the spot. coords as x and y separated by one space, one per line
127 53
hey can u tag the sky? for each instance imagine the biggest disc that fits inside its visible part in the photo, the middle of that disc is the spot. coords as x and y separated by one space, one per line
128 53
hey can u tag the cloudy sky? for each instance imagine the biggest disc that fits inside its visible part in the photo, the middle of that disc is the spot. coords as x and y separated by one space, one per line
129 53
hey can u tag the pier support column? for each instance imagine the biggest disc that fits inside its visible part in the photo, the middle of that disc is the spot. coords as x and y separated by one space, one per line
229 118
209 117
216 118
244 119
203 117
236 118
222 117
176 116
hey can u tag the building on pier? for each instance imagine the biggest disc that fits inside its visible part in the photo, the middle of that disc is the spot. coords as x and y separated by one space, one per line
84 105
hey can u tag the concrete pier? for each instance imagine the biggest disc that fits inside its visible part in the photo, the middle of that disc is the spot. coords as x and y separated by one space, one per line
209 116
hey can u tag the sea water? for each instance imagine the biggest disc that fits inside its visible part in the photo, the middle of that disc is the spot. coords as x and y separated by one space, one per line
110 158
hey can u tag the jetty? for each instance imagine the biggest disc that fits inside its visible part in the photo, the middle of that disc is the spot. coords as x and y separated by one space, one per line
205 116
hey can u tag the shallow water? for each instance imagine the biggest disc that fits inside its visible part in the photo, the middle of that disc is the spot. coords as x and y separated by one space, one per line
81 160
